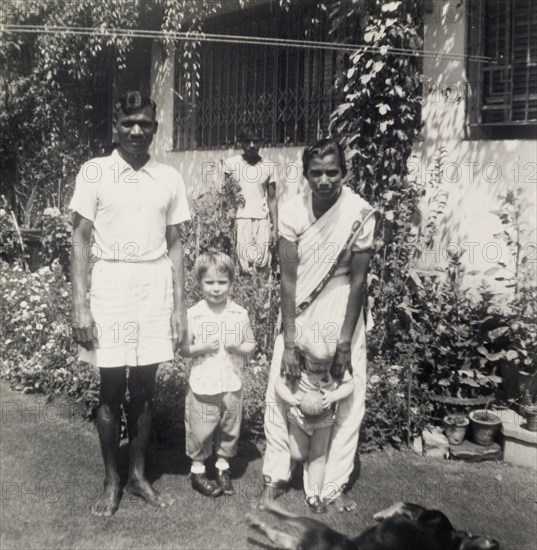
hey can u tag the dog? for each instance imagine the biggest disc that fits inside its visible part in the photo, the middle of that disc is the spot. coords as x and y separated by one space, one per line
403 526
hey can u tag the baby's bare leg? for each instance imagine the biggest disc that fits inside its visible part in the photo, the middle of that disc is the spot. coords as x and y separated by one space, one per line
318 453
299 443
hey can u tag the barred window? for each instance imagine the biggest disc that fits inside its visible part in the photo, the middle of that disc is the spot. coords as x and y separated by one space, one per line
503 92
287 91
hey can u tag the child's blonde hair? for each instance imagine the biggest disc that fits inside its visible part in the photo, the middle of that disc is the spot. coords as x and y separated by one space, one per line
220 261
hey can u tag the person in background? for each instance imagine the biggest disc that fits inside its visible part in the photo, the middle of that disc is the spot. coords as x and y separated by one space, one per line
257 217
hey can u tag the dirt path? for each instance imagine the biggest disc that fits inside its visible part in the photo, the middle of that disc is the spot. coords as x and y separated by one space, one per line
51 473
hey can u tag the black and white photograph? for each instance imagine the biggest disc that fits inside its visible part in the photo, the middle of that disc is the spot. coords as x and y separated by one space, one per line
268 274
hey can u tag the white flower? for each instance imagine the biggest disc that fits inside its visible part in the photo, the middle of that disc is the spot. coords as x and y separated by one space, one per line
24 304
53 212
2 212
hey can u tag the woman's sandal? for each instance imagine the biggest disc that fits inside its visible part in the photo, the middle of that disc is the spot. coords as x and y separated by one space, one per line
316 505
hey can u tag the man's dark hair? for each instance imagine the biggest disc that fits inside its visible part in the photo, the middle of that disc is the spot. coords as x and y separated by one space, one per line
325 146
248 130
133 101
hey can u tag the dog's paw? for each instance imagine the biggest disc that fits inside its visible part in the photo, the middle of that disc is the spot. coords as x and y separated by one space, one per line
253 521
396 509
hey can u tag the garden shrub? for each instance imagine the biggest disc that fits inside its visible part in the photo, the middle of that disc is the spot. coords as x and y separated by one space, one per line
56 230
10 246
396 411
38 354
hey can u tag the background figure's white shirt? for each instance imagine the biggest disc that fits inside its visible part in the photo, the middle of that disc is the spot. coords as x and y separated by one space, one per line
253 180
220 371
129 209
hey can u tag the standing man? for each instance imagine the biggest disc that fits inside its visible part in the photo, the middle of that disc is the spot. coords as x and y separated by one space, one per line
133 206
255 178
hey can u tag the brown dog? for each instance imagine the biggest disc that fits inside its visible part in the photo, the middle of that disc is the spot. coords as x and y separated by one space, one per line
403 526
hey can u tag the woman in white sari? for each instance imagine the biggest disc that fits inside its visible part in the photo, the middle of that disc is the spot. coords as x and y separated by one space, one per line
326 236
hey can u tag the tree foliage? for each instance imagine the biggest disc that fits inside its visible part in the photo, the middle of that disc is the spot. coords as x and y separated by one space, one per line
378 122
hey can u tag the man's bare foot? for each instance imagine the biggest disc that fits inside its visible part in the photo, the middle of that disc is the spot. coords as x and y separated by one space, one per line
108 502
344 503
269 495
143 489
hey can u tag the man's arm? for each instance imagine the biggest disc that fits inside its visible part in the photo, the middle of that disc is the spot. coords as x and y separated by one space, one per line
176 255
273 210
82 320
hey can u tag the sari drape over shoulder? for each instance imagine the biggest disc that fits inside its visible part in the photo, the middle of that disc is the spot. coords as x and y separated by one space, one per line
322 290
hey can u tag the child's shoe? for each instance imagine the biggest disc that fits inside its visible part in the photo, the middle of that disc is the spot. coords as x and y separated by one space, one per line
205 486
224 481
316 504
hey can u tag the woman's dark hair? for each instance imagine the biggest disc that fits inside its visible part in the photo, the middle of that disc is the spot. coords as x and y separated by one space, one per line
133 101
325 146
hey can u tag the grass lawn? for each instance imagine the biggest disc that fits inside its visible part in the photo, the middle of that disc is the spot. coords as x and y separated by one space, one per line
51 473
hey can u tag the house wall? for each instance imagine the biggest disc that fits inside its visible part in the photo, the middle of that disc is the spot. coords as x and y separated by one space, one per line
200 169
475 172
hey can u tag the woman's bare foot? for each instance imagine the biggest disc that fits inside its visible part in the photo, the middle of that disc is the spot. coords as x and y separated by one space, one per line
269 495
108 502
142 488
343 503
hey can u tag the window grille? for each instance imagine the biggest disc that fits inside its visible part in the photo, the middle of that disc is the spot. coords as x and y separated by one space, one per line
503 92
287 91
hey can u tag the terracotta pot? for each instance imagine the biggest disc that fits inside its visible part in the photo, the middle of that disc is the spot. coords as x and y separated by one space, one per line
484 430
531 419
455 429
527 387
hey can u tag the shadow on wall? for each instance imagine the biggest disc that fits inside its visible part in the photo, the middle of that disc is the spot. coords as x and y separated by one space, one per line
475 172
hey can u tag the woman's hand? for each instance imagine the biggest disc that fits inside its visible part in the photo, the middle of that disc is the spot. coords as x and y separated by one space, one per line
341 361
291 363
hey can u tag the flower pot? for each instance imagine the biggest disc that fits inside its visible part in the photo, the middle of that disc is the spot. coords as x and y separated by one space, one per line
527 387
455 427
485 427
531 418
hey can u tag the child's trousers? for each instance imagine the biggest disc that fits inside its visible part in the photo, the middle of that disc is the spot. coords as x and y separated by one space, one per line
212 418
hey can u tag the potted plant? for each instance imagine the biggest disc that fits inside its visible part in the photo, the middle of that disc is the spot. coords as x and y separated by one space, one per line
455 426
485 426
530 412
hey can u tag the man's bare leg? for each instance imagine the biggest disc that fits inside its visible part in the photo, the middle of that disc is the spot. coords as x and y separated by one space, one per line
112 391
139 417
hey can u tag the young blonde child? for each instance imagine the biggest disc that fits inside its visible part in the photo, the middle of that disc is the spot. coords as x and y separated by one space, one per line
310 419
219 336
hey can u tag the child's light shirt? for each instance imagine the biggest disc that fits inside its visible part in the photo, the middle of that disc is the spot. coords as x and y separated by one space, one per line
253 180
220 371
129 210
